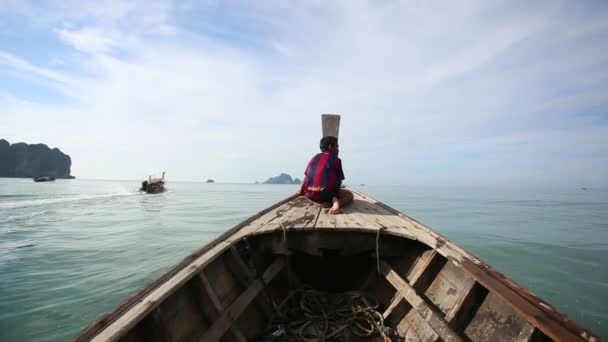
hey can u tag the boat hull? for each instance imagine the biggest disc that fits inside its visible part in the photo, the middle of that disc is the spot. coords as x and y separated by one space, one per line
44 179
155 190
423 286
157 186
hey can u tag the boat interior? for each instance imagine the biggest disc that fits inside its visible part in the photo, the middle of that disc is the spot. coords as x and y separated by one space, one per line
332 285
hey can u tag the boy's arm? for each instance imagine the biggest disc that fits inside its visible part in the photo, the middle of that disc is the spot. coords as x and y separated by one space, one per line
305 180
340 176
302 188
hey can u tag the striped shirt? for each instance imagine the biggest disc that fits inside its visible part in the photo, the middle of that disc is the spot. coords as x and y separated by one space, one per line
324 176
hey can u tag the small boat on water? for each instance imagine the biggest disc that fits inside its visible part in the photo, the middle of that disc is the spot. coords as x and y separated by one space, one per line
153 185
44 179
294 272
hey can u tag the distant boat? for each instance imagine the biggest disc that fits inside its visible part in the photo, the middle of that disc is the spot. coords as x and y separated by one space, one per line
153 185
44 179
210 181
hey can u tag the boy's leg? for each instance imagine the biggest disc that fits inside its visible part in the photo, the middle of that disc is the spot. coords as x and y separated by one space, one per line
323 202
346 197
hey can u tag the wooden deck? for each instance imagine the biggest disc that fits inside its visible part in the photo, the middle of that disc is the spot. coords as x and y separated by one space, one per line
363 214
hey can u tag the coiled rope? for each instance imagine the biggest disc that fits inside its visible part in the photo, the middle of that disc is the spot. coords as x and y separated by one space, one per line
311 316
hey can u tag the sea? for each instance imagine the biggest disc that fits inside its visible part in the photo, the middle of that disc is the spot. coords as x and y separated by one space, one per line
70 250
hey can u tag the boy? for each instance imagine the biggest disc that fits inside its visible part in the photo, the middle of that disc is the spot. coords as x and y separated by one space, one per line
323 178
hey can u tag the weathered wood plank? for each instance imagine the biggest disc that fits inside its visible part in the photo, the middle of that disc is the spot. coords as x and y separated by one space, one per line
181 314
423 263
219 309
300 213
464 293
368 214
397 298
244 275
142 308
363 215
326 220
356 213
416 271
225 285
470 297
434 319
331 221
446 287
242 271
210 293
275 214
222 324
525 334
297 214
393 218
417 328
496 321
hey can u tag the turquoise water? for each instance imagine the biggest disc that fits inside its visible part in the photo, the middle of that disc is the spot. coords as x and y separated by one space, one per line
72 249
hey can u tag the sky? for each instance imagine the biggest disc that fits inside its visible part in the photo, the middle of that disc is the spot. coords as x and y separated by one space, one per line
510 93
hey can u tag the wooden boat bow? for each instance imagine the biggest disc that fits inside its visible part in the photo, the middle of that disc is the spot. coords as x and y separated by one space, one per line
452 294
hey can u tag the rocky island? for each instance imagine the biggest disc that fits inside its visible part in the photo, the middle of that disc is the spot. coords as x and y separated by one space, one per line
283 178
33 160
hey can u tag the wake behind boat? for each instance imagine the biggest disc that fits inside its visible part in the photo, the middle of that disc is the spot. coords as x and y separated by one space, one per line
153 185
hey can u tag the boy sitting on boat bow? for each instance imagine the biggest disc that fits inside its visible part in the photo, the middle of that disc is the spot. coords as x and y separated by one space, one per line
323 178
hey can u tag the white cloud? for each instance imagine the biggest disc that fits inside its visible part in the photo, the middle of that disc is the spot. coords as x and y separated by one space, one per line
88 40
14 62
238 94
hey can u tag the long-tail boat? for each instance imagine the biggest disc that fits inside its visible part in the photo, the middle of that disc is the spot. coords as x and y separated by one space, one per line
294 272
153 185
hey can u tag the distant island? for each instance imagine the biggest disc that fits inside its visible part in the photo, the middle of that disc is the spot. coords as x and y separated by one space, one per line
35 160
283 178
210 181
